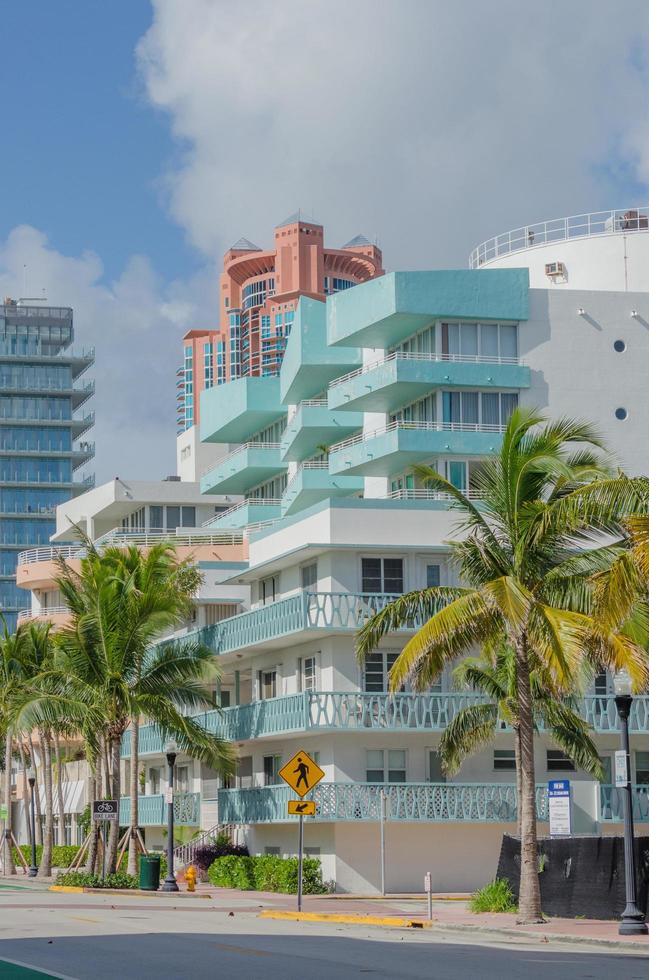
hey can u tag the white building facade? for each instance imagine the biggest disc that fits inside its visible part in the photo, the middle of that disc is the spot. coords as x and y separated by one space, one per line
414 367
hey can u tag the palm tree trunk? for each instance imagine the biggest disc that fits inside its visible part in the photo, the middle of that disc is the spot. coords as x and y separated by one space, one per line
519 786
37 794
92 796
45 869
9 866
113 838
59 789
133 792
23 763
529 895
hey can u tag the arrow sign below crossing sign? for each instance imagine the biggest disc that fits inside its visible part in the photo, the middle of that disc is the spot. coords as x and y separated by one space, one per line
301 773
304 808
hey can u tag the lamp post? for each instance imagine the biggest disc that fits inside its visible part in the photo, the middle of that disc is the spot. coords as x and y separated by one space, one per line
632 922
31 779
170 884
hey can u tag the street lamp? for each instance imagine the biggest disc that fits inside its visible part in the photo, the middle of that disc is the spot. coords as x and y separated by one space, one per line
170 884
632 922
31 779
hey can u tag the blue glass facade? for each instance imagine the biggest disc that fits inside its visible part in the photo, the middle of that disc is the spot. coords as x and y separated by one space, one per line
41 429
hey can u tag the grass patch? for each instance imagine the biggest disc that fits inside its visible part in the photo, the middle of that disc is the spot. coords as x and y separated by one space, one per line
497 896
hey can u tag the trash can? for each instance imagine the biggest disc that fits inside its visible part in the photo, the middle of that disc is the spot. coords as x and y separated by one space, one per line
150 872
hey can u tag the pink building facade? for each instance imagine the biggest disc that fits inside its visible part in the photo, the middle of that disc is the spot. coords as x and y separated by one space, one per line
258 295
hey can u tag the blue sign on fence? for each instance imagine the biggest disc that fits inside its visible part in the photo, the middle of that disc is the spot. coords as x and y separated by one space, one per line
559 809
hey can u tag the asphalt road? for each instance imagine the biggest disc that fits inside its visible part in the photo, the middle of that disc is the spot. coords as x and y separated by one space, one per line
85 937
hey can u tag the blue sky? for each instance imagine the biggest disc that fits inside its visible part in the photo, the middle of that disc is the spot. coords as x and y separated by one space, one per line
143 137
83 150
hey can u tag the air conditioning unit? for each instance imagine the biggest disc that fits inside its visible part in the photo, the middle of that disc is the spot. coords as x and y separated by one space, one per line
555 269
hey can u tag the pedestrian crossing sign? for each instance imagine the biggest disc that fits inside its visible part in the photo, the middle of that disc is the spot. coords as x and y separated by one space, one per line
301 773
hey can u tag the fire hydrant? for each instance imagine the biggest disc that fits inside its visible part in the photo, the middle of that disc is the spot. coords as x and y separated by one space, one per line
190 878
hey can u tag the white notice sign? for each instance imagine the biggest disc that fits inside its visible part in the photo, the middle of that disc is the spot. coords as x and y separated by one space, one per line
559 810
621 776
169 795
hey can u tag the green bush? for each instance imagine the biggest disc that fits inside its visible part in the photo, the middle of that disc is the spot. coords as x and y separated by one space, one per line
497 896
83 880
267 874
62 854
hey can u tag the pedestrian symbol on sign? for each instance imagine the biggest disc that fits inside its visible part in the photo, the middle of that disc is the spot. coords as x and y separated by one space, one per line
301 773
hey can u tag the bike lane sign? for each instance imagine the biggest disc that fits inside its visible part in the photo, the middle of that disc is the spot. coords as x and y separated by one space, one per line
301 773
105 810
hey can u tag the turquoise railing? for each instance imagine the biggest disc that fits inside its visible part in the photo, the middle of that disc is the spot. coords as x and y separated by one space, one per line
611 803
428 802
152 810
358 710
294 614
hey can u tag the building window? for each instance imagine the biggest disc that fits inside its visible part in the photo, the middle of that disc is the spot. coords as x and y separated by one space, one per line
188 517
621 414
433 578
619 346
154 781
244 772
312 852
558 761
272 852
307 673
267 684
181 779
642 768
156 518
272 766
504 759
479 408
268 589
377 670
489 341
382 575
309 575
385 766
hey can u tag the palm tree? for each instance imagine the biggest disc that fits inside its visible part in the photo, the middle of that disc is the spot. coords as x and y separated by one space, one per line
525 556
477 725
12 677
122 601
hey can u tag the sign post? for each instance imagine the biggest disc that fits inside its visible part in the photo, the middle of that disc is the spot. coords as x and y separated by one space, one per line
559 808
104 812
302 774
428 888
621 771
382 801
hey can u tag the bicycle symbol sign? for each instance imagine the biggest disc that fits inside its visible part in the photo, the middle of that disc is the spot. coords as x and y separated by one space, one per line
105 810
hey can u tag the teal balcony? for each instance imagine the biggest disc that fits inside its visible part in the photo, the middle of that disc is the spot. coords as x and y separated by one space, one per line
309 363
246 467
247 512
611 804
398 445
313 482
400 379
299 616
405 802
235 411
152 810
314 425
383 312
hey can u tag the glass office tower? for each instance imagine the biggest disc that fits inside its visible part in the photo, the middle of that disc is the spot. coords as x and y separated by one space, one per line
42 429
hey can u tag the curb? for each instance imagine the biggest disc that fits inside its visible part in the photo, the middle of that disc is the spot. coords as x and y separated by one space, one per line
545 937
363 920
135 892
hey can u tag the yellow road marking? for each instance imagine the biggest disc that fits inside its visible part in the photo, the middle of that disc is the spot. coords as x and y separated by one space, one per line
363 920
82 918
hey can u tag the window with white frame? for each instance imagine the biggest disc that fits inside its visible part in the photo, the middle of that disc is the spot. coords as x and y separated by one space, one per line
181 779
154 781
269 589
642 768
423 410
244 772
385 765
486 408
307 675
382 575
267 680
377 670
497 341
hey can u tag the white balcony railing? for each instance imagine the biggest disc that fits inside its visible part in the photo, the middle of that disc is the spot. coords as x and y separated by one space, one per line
244 447
420 493
418 426
430 357
560 230
25 614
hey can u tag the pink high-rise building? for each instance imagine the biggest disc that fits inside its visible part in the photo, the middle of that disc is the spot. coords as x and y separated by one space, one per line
258 294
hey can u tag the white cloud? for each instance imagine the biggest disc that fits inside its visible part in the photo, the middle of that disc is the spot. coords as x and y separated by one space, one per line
135 324
429 124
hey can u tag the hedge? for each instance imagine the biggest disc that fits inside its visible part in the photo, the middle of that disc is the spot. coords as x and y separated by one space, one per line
62 854
83 880
267 874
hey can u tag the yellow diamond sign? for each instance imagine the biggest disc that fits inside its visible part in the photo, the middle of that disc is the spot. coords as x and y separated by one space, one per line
301 773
